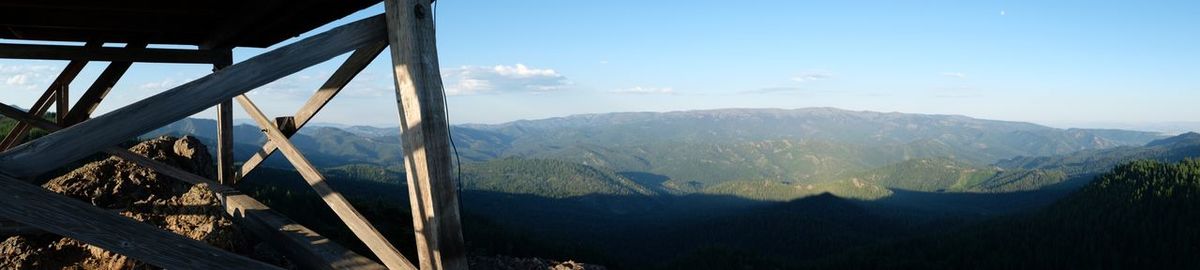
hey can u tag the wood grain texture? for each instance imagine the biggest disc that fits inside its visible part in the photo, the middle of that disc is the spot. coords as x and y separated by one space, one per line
17 134
425 135
359 225
225 167
85 53
336 82
58 214
302 245
70 144
91 98
62 103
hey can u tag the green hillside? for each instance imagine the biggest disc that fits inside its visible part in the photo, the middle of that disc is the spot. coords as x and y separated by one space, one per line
548 178
1140 215
783 191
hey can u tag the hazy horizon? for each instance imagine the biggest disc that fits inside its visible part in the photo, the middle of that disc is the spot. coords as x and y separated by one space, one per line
1166 127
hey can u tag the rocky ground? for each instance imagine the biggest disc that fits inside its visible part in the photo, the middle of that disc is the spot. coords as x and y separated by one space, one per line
140 194
192 211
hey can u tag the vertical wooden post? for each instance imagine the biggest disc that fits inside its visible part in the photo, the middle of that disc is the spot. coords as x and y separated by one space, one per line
425 135
62 103
17 134
91 98
225 170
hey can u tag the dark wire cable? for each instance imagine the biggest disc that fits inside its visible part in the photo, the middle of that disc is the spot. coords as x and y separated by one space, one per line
458 182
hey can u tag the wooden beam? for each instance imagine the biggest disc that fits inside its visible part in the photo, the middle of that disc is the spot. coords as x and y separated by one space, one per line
85 53
17 134
286 124
225 169
305 247
425 135
68 145
9 227
366 232
63 103
336 82
297 242
100 88
58 214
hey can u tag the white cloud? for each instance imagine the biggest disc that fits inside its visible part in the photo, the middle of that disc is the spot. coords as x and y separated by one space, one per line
645 90
773 90
27 76
813 76
959 75
470 80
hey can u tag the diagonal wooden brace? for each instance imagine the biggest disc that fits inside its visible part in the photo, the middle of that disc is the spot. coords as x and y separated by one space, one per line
70 144
338 81
366 232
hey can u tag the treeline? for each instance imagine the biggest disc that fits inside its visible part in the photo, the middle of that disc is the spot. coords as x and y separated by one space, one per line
1142 215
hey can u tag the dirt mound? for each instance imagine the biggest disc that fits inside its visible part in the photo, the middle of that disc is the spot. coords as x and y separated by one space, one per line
143 195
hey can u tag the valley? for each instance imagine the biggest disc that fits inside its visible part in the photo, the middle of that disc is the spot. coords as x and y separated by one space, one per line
765 187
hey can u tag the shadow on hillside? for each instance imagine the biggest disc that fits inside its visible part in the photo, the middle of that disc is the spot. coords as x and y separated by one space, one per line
980 204
638 232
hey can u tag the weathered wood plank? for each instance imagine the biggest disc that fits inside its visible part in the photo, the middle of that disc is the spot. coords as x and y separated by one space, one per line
225 173
54 150
62 103
309 249
366 232
9 227
336 82
425 135
85 53
225 169
90 100
34 206
17 134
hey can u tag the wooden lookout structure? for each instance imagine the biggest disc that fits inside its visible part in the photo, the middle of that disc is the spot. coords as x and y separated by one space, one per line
134 31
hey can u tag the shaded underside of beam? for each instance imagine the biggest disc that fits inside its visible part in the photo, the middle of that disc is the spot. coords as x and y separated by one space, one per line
84 53
70 144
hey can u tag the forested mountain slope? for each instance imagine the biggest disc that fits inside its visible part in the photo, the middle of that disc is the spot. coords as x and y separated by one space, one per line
1142 214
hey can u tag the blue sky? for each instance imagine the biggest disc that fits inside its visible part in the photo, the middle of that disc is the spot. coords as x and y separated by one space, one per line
1062 63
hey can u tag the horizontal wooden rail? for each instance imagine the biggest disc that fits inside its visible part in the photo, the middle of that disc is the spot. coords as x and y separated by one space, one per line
70 144
86 53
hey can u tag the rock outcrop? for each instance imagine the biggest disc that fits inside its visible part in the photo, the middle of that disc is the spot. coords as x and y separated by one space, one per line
141 194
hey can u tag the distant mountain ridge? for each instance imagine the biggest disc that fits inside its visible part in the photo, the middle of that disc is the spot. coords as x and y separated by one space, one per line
710 147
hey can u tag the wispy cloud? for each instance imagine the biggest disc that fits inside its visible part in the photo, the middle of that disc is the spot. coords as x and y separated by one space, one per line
958 75
160 85
27 76
645 90
774 90
470 80
812 76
